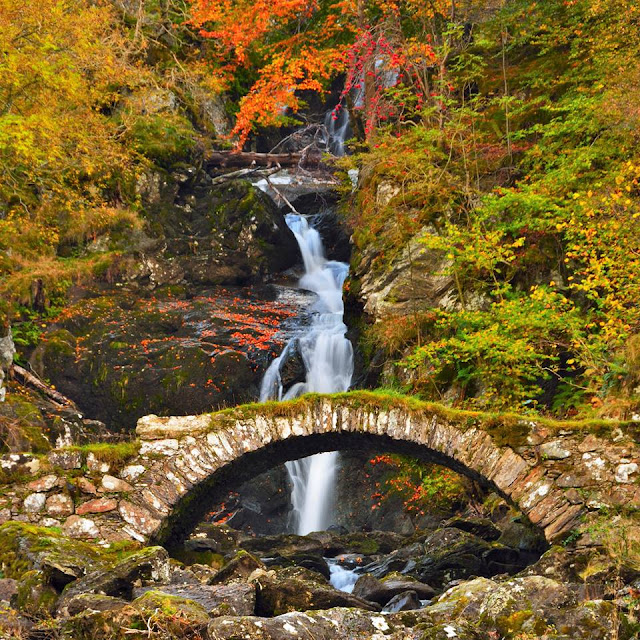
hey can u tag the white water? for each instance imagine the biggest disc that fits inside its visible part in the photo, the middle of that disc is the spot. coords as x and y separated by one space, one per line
328 359
336 123
340 577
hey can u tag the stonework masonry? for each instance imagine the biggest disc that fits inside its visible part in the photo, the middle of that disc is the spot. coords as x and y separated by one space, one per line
561 479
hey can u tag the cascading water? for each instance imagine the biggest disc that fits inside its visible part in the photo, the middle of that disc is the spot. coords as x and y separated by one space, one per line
337 124
328 359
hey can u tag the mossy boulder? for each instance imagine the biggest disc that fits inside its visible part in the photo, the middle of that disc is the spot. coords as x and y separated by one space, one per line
299 589
25 547
35 597
150 565
240 567
172 613
22 426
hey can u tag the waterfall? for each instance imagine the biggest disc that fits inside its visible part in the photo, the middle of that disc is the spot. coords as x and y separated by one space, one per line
337 123
328 360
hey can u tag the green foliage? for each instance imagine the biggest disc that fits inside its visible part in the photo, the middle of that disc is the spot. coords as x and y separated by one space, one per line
164 138
422 487
525 189
500 355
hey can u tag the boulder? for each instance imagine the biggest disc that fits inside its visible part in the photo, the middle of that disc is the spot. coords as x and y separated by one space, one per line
452 554
61 560
481 527
405 601
93 602
150 565
218 538
239 568
235 599
381 591
35 596
229 234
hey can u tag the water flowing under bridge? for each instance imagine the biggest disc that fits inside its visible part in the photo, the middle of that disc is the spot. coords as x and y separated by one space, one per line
559 474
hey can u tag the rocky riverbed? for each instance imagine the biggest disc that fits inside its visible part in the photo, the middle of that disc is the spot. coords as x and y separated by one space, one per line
466 578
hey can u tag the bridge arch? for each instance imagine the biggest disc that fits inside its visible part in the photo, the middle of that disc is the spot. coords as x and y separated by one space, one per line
184 460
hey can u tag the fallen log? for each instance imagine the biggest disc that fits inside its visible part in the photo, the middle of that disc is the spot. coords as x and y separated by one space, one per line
249 158
26 378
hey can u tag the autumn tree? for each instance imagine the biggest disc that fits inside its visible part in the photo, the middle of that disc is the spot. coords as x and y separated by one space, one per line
295 45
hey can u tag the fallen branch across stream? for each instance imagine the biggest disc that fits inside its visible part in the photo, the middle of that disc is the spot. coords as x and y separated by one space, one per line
245 173
249 158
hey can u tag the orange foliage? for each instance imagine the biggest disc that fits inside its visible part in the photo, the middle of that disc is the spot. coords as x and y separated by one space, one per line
298 45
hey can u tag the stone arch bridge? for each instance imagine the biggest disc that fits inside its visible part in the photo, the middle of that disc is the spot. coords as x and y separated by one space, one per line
559 474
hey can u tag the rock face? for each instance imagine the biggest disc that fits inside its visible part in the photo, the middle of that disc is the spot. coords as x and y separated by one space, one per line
209 235
415 281
167 354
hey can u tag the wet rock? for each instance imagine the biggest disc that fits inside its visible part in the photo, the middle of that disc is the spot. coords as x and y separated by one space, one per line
228 234
140 365
240 567
218 538
284 545
403 560
299 589
366 543
405 601
369 588
451 554
481 527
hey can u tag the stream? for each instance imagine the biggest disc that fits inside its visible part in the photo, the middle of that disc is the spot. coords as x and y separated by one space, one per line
327 355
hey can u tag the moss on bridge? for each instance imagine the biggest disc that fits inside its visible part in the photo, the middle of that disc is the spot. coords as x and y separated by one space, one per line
507 429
